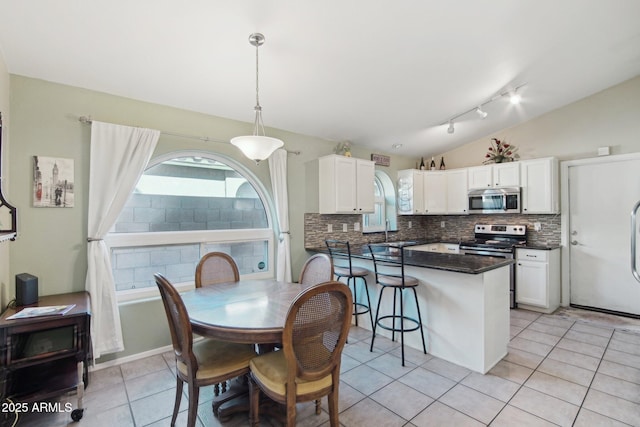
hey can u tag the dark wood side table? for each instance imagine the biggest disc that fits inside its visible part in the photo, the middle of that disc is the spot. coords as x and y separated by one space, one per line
45 357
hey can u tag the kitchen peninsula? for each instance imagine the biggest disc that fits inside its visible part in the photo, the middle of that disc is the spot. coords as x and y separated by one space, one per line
464 301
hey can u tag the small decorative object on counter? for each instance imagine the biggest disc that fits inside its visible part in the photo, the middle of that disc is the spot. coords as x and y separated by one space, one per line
442 167
500 152
343 148
432 165
422 165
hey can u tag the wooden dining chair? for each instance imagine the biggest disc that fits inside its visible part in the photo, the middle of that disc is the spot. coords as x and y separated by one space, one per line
199 364
317 269
216 267
308 366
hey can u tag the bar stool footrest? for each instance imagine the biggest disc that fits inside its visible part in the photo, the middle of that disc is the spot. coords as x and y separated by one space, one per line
393 328
359 304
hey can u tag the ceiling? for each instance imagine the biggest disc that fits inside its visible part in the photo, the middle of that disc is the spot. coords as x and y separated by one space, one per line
377 73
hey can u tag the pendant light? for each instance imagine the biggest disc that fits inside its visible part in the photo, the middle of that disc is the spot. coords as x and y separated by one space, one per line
258 146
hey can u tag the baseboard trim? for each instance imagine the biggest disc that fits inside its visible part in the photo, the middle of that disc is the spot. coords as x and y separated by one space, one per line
131 358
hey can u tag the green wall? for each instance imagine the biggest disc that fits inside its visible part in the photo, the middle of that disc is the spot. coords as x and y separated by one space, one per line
52 241
5 282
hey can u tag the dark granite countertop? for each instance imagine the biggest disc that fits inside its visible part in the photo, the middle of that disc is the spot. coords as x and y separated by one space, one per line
467 264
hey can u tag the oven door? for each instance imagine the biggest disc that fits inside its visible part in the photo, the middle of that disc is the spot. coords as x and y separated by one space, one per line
468 250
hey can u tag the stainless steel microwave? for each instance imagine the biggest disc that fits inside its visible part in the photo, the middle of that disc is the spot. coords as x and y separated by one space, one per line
494 201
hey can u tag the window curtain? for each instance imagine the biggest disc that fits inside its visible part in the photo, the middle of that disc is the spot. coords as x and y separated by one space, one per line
119 155
278 172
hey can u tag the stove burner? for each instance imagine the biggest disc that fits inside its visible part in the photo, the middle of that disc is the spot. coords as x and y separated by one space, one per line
498 236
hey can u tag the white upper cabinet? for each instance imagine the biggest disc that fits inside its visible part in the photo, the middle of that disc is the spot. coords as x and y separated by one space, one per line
540 186
410 192
493 176
446 192
435 192
432 192
365 194
457 197
345 185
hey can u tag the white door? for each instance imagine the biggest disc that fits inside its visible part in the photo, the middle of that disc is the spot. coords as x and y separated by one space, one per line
601 198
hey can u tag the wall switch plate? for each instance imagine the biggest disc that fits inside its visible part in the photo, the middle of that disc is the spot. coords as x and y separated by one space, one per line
410 224
603 151
329 228
537 226
356 226
345 228
442 224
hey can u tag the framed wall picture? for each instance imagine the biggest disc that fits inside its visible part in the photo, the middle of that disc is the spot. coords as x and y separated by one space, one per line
53 182
381 159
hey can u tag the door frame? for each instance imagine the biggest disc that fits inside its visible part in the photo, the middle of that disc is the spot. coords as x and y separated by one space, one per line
565 298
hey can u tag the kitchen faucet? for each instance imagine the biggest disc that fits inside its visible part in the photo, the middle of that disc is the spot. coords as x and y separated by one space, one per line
386 230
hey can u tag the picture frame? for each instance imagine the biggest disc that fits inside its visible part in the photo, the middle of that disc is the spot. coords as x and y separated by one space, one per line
381 159
53 182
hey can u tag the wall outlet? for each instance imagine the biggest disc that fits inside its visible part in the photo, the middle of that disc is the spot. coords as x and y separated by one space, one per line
442 224
345 228
356 226
410 224
537 226
329 228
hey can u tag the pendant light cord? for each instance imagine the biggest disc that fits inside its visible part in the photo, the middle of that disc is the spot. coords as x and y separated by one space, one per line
258 125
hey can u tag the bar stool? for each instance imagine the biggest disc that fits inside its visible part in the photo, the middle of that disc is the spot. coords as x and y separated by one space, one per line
388 263
340 252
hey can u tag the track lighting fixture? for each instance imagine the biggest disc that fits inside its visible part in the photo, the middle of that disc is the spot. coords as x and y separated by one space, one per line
514 98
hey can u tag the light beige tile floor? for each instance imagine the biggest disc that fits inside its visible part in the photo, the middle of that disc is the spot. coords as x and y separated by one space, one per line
560 370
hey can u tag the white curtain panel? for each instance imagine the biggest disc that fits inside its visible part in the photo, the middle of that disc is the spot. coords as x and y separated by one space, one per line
278 172
119 155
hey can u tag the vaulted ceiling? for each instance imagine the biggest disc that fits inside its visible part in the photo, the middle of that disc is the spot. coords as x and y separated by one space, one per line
377 73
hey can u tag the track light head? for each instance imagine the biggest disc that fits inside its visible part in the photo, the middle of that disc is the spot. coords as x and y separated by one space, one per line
483 114
515 98
450 129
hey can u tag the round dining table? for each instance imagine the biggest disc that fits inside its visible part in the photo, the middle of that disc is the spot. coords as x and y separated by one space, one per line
249 312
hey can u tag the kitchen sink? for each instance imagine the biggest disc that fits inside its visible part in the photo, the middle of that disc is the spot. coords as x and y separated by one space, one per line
392 247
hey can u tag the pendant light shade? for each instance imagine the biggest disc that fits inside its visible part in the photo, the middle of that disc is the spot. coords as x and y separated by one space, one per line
258 146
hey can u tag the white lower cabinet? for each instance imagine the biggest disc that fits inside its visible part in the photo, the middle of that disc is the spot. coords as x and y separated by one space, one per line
538 279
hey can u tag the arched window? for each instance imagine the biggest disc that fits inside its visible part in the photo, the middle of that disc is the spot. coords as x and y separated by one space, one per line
184 206
384 214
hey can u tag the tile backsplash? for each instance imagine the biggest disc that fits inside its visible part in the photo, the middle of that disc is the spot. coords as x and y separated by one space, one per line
456 228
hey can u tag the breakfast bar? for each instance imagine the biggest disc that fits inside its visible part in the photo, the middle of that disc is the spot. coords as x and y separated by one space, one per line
464 301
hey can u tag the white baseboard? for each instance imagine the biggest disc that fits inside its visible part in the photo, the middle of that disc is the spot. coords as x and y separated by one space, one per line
132 358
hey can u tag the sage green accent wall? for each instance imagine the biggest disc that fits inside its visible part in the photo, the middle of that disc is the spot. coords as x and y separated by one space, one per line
5 282
52 241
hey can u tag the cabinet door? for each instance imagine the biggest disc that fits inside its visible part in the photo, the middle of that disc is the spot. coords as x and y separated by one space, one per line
365 198
457 199
405 192
345 184
506 174
539 186
480 177
435 192
532 283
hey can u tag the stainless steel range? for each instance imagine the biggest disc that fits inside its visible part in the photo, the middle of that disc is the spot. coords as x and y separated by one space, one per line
497 240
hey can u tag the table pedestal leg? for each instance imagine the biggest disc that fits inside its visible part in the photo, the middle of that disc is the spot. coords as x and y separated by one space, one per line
236 399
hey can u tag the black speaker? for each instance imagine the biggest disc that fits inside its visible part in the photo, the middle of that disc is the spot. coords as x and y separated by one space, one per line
26 289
